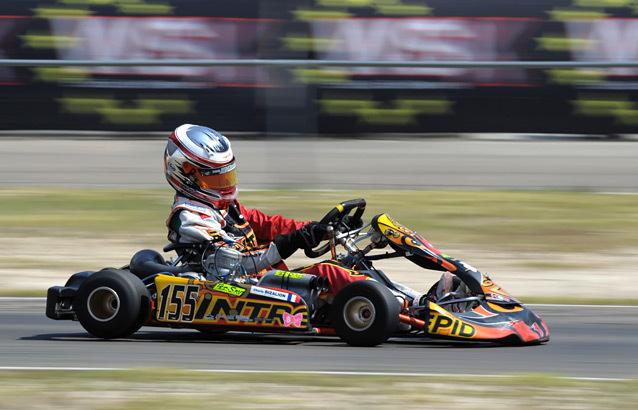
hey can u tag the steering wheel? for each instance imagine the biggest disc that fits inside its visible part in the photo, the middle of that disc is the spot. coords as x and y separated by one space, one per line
334 218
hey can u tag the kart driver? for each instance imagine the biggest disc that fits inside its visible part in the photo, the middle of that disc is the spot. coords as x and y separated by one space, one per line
199 164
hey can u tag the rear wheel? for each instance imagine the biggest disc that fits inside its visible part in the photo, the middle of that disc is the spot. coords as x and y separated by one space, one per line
112 303
365 313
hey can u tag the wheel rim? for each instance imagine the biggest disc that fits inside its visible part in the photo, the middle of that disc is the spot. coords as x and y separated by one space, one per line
103 304
359 313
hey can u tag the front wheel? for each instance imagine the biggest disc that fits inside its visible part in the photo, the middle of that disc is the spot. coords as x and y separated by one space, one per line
112 303
365 313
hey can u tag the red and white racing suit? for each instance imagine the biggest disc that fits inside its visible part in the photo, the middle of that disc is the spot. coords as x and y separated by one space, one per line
251 232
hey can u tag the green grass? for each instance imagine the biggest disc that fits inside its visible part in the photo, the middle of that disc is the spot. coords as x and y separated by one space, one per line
67 212
493 221
169 388
543 221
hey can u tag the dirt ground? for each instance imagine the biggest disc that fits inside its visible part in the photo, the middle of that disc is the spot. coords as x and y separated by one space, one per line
38 263
29 263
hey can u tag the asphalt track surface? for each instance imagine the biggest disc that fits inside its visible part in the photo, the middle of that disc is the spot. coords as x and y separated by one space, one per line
589 342
335 163
585 341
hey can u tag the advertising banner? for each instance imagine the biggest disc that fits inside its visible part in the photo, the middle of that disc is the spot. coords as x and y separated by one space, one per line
321 99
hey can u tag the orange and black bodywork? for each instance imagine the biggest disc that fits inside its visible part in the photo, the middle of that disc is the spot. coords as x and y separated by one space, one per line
209 304
119 303
114 303
498 318
489 322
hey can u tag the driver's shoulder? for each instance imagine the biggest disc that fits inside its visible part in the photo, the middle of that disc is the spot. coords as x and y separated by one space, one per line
183 205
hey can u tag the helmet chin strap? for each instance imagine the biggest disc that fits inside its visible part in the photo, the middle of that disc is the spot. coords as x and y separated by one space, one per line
222 202
219 205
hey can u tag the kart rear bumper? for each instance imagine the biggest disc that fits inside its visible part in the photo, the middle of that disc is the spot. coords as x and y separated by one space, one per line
61 299
60 303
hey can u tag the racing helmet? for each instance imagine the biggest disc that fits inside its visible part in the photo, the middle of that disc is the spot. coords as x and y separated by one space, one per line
199 164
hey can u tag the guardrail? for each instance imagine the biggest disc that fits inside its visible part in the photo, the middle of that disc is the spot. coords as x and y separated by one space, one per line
319 63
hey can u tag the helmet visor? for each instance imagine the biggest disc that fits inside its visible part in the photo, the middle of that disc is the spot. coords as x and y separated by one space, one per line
219 179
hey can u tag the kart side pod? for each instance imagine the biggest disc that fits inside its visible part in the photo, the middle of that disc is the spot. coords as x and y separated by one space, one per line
307 286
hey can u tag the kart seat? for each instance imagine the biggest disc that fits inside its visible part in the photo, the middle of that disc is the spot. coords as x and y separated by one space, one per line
148 262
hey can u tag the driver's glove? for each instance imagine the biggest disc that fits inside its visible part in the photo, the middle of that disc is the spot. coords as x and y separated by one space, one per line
306 237
377 240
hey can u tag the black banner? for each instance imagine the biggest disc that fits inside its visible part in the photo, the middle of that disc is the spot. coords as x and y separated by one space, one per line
325 99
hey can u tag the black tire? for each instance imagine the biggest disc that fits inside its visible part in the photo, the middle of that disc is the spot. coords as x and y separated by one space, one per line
365 313
112 303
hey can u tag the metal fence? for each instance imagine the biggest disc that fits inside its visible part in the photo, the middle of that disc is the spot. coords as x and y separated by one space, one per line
317 63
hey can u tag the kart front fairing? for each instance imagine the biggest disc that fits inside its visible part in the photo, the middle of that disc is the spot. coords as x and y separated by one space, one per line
508 324
419 251
496 315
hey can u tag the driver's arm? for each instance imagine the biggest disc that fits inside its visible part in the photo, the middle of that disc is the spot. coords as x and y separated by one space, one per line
267 226
288 235
256 259
306 237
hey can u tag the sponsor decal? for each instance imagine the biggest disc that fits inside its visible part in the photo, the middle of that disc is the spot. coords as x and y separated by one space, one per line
469 267
449 326
152 35
218 171
177 302
390 232
215 236
196 208
291 275
502 298
391 223
231 311
275 294
290 320
492 290
403 236
229 289
448 38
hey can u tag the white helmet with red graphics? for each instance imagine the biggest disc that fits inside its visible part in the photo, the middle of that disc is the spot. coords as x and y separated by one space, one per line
199 164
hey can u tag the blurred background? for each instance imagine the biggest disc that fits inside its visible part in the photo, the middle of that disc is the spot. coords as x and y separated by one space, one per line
357 129
321 100
82 186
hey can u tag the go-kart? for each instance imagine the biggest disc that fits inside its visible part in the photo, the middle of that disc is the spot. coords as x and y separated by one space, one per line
464 304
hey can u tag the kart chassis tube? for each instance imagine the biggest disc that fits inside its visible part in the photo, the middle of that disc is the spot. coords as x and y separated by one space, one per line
412 321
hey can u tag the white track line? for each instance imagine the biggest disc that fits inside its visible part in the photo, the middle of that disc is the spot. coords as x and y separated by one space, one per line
579 306
306 372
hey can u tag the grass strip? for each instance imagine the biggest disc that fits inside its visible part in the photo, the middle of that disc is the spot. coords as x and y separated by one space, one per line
544 221
171 388
496 221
